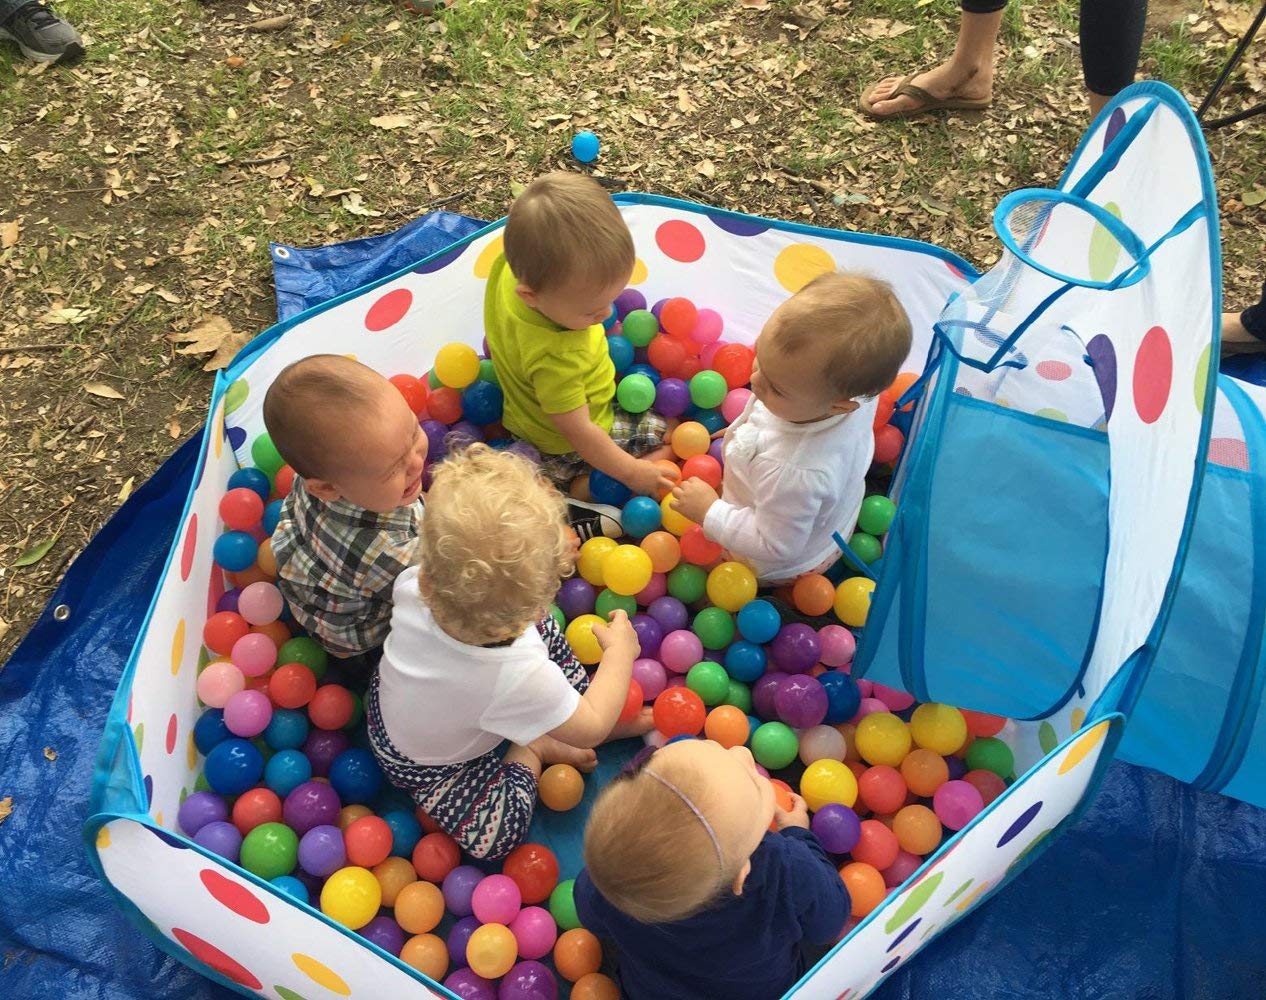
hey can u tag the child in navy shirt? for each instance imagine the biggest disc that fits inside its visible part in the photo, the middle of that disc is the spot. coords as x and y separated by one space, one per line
700 898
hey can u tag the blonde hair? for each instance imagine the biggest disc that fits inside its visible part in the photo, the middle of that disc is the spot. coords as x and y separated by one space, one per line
565 226
649 853
866 330
311 402
494 545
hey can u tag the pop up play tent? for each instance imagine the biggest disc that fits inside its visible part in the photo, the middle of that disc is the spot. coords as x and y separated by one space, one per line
1074 546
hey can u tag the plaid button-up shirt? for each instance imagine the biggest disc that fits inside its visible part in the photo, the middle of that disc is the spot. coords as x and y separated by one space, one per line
336 564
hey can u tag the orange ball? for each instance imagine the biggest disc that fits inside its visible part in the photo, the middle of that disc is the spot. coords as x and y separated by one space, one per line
813 594
252 574
917 830
419 907
426 953
350 814
278 632
727 725
925 771
883 412
690 438
664 550
865 886
882 789
491 951
670 469
595 986
898 388
265 561
577 953
393 875
876 845
561 787
678 316
784 798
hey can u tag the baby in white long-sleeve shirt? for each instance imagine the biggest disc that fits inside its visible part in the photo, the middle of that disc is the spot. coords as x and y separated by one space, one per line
797 456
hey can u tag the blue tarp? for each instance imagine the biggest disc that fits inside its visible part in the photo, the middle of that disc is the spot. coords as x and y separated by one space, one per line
1154 894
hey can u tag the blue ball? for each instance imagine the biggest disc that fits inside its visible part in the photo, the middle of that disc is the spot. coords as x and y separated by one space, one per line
287 729
355 776
606 489
292 886
710 419
753 724
843 696
758 621
621 352
482 403
251 479
406 831
234 551
286 771
210 731
745 661
585 146
610 321
233 766
641 516
642 368
272 514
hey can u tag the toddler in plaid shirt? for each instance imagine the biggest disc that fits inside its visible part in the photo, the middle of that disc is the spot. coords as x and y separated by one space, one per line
350 524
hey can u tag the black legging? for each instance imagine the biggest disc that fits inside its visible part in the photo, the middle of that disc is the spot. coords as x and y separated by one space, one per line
1254 317
1111 37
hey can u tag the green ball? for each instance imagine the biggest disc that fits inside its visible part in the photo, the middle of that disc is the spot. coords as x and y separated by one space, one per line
488 372
609 601
865 547
708 389
739 695
266 455
562 905
714 627
988 753
876 515
433 380
774 745
270 850
709 681
358 712
687 582
556 613
309 652
639 327
635 393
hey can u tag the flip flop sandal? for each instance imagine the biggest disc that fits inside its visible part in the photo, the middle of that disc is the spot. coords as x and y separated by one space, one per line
927 103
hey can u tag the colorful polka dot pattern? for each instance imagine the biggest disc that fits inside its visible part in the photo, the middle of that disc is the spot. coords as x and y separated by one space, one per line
797 265
680 240
388 310
234 896
1153 375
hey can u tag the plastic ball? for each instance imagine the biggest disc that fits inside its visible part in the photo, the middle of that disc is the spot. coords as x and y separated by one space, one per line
876 515
774 745
852 600
796 648
714 627
254 654
351 896
577 953
331 707
758 621
482 402
650 634
828 781
680 650
650 676
678 711
865 885
307 651
413 389
367 842
356 777
252 479
635 393
247 713
321 851
592 554
732 586
419 907
939 728
270 850
632 703
882 738
988 784
459 887
923 772
687 583
561 787
234 551
821 742
260 603
291 686
198 810
580 637
670 612
672 397
621 352
745 661
866 547
678 317
427 953
813 594
222 838
233 766
982 723
703 467
843 697
528 980
838 645
210 730
917 829
876 845
689 439
726 725
708 389
241 509
292 887
800 701
764 691
219 681
491 951
672 520
534 869
584 147
667 354
465 984
393 875
733 362
641 517
990 754
837 827
888 444
435 855
576 597
709 681
288 730
957 803
496 900
626 570
314 803
265 455
901 869
385 933
609 601
222 630
639 327
734 403
456 366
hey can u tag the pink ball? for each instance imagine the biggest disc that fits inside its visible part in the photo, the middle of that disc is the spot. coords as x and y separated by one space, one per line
535 931
676 681
901 869
867 688
733 403
761 771
838 644
219 682
897 701
680 650
868 706
260 603
710 352
652 677
654 590
248 713
821 743
254 654
496 900
956 803
708 327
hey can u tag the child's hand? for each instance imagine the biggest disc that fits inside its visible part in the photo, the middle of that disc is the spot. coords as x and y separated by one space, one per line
693 498
618 636
797 815
650 479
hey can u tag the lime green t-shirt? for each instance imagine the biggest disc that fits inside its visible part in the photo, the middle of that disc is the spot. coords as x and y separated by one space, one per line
543 368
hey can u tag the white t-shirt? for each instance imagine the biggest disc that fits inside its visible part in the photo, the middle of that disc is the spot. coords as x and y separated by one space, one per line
788 487
444 702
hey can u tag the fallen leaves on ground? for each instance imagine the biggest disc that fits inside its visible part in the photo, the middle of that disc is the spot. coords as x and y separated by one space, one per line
215 336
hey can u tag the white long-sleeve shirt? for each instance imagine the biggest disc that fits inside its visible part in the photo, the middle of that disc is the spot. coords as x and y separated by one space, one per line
788 487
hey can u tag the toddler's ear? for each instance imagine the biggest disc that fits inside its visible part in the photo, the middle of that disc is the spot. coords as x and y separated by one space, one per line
526 294
323 489
844 406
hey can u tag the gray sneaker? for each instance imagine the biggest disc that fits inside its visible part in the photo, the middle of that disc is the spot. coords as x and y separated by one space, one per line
42 35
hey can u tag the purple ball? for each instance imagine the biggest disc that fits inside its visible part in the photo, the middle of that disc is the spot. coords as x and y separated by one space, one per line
459 886
670 613
801 701
435 434
312 804
382 931
658 307
629 300
672 397
200 809
228 600
457 938
649 634
717 450
957 767
222 838
641 356
836 827
763 693
651 676
310 882
575 597
469 986
322 747
528 981
463 434
525 450
796 648
321 850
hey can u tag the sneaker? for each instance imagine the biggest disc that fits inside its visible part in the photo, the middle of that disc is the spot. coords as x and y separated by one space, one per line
591 520
42 35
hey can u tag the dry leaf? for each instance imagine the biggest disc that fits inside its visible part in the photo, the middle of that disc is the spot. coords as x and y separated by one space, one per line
235 62
6 807
102 390
392 121
68 316
126 491
707 168
173 429
1254 197
50 753
214 336
4 630
756 4
353 204
9 233
271 23
881 27
684 103
167 296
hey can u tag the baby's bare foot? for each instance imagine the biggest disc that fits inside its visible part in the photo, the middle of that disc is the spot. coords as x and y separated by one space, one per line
640 725
552 751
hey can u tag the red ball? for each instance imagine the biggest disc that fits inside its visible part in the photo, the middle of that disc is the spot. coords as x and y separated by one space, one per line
703 467
291 685
445 405
368 841
982 723
435 856
678 317
888 442
882 789
412 389
877 845
428 825
223 629
678 711
632 702
331 707
667 354
734 363
284 481
697 548
256 807
534 869
241 509
988 784
691 367
883 411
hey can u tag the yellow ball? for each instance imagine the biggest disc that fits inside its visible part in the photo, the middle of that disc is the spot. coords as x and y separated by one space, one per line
731 585
627 569
351 897
457 365
852 600
690 438
882 738
592 555
827 781
674 520
939 728
491 951
583 642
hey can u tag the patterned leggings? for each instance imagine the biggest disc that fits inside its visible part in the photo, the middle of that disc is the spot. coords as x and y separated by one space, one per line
484 804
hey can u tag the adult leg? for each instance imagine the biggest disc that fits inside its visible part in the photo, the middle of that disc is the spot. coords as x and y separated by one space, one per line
1248 327
1111 38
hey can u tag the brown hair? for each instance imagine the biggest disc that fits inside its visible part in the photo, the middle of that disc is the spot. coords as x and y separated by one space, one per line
311 401
563 226
867 330
494 545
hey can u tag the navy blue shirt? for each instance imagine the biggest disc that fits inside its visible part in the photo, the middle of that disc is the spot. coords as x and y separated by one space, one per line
744 947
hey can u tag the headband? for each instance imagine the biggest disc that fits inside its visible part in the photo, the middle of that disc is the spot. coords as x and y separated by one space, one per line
716 844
